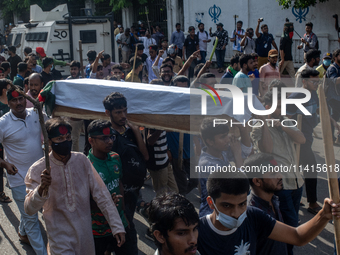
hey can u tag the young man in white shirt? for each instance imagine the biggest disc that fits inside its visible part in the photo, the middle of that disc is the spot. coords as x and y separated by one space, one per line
204 39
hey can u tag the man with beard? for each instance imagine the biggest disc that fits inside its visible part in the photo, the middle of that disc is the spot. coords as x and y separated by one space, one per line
22 150
166 74
279 141
64 192
286 50
241 79
174 223
74 70
222 36
312 59
268 72
262 196
133 153
33 59
232 70
35 84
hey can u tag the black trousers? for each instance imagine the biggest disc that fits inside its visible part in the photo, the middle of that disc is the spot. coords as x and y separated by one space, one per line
307 159
110 243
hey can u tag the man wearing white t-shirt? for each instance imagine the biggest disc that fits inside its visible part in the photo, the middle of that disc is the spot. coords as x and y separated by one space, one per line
147 41
203 38
20 136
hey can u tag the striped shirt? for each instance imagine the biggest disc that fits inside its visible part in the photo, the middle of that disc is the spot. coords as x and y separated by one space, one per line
160 150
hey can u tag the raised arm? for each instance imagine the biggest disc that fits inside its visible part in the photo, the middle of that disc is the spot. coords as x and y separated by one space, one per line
187 64
305 233
258 35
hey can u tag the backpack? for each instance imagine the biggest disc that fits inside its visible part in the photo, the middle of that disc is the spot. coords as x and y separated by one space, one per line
317 41
199 33
133 163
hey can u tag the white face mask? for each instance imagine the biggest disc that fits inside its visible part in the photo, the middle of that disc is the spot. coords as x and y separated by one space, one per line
228 221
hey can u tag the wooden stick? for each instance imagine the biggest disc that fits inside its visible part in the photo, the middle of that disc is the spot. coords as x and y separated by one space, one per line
330 160
180 149
298 146
134 64
147 17
38 106
81 59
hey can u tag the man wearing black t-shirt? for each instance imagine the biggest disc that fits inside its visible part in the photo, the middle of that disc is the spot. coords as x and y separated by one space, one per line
191 44
234 228
116 108
14 60
286 50
46 73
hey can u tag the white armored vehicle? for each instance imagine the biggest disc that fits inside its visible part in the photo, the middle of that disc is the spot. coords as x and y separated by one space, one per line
59 34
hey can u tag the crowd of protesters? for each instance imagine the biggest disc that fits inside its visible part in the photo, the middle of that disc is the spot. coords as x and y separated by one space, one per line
89 198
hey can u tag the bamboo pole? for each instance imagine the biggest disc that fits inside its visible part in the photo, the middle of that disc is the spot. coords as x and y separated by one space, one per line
134 64
330 160
38 106
180 149
81 59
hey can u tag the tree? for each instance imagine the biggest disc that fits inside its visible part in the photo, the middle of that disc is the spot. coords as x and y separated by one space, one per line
286 4
120 4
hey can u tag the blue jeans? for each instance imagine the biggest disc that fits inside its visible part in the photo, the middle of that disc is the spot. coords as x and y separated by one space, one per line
289 207
29 225
203 56
220 58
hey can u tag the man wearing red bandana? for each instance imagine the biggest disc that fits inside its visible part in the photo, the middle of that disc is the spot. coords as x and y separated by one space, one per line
20 136
71 182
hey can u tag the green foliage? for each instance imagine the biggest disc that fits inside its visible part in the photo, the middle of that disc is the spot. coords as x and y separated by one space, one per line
286 4
120 4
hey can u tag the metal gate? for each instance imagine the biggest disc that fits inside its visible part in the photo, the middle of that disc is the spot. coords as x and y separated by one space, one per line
157 14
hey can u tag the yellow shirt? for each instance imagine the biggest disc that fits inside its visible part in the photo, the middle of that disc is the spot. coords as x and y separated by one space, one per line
129 77
321 70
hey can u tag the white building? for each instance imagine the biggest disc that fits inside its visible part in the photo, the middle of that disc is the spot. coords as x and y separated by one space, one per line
191 12
249 11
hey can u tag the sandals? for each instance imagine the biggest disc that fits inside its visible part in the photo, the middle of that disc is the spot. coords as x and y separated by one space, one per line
4 198
314 210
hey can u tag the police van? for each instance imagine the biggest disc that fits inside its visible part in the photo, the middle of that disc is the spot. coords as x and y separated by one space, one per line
59 33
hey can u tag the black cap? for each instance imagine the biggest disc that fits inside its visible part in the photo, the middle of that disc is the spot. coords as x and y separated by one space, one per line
219 24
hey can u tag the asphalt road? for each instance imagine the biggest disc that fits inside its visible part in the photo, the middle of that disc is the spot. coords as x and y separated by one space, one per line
323 244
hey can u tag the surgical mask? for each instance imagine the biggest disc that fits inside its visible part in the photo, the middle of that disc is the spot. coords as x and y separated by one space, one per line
327 62
228 221
63 148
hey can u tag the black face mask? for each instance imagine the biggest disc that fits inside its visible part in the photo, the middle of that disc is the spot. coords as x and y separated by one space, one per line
63 148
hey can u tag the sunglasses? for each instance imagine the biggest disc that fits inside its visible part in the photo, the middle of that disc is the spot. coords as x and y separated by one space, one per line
106 139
